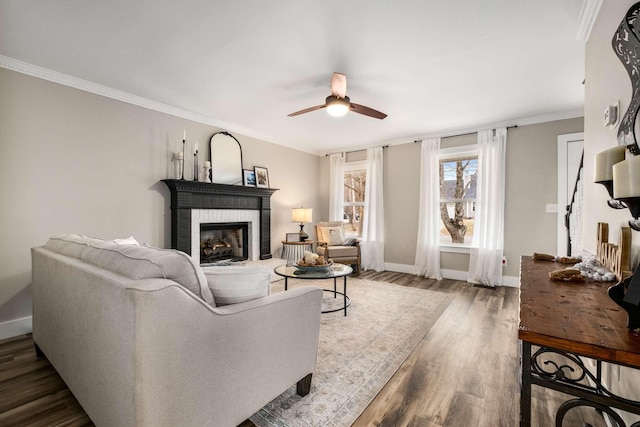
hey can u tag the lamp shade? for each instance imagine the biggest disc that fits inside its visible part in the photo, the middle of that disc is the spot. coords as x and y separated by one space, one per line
301 215
605 161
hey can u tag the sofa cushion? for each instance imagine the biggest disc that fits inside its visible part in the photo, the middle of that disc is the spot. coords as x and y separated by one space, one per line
339 251
145 262
70 245
232 285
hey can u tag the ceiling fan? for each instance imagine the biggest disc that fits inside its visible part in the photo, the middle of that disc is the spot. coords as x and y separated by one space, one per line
338 103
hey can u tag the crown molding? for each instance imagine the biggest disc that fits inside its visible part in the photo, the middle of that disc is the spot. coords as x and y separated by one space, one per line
588 15
87 86
98 89
523 121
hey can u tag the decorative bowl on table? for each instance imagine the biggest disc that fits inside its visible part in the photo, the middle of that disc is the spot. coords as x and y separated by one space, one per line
312 267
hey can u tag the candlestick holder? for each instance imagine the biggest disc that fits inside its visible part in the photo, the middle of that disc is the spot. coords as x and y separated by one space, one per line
195 166
612 203
206 174
182 175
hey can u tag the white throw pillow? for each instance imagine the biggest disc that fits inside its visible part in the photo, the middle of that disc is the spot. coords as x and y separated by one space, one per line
128 241
333 236
233 285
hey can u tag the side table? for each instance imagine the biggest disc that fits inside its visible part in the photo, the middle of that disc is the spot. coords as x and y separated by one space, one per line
294 251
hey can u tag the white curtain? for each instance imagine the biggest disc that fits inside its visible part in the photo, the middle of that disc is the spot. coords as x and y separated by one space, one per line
372 246
485 263
428 247
336 187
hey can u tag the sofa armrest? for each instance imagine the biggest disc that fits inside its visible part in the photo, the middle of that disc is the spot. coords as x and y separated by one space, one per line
225 362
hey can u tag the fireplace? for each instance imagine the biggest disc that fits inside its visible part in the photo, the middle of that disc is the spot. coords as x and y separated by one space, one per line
223 242
195 203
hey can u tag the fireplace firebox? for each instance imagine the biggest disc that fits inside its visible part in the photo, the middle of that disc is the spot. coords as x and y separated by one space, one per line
226 241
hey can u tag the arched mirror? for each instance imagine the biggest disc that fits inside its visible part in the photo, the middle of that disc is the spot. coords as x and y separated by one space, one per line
226 159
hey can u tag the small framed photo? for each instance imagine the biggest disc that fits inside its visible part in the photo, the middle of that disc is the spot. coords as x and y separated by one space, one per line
293 237
262 177
248 178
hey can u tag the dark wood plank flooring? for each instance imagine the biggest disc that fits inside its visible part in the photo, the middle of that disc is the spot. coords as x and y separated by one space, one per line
464 372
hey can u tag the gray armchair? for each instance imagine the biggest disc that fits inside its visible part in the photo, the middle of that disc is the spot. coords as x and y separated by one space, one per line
333 245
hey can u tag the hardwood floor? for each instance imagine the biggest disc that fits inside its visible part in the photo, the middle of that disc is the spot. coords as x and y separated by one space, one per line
464 372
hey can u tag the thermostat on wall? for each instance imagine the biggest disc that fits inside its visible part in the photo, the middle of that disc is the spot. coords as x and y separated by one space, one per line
611 115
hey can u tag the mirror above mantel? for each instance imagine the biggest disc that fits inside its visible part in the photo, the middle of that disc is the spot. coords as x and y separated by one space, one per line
226 159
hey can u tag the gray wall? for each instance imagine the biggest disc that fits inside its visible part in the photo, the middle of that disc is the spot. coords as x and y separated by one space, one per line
606 83
531 172
72 161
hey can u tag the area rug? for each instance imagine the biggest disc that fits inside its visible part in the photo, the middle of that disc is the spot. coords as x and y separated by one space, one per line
358 353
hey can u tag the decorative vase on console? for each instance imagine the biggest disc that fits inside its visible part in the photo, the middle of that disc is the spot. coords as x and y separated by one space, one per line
206 172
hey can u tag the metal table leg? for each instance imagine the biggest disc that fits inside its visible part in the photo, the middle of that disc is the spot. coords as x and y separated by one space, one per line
525 386
344 294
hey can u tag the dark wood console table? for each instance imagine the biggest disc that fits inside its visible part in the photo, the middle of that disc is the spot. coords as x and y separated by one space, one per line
561 323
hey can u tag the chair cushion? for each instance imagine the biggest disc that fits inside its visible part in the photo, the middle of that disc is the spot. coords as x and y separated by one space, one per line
70 245
333 236
339 251
145 262
232 285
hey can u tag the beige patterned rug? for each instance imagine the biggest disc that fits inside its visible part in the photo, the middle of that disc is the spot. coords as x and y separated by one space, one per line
357 354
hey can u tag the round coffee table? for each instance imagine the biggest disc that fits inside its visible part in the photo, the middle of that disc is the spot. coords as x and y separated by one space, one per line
332 272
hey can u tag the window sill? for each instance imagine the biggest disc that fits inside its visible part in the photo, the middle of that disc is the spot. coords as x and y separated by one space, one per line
455 249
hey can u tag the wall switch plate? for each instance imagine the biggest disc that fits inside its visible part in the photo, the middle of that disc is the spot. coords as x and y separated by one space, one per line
552 208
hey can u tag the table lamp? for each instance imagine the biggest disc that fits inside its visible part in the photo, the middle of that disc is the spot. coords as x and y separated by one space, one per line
301 215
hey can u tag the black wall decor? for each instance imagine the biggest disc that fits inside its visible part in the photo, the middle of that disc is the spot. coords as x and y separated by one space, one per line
626 45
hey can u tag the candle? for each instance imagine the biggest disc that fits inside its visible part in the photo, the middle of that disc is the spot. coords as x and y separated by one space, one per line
207 163
184 135
179 155
626 178
196 146
605 161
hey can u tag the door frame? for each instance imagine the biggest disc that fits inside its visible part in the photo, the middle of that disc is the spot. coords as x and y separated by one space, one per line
563 142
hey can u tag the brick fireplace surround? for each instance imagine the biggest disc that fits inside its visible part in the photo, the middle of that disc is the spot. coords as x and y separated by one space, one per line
189 195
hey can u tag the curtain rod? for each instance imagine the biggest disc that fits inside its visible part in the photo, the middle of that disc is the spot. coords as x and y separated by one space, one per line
354 151
464 134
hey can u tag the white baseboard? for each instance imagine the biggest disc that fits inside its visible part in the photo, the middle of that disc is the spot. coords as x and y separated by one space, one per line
510 281
400 268
15 327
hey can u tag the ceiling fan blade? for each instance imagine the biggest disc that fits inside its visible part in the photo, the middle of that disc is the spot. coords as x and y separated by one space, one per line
306 110
357 108
339 85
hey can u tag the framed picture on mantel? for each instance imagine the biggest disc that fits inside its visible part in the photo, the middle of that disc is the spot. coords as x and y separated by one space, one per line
262 177
248 178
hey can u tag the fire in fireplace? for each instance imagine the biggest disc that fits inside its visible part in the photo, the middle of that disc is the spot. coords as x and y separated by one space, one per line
224 242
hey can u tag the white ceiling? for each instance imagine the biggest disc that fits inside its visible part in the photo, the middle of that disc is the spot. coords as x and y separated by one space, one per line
435 67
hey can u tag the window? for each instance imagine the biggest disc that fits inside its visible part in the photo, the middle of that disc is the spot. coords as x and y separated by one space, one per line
458 180
355 181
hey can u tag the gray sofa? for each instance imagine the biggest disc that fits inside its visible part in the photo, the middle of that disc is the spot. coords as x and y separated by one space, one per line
135 334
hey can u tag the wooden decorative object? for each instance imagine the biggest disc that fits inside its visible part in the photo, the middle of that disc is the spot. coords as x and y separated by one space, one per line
614 257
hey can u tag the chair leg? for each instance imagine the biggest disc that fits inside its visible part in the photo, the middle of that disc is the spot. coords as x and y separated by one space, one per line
304 386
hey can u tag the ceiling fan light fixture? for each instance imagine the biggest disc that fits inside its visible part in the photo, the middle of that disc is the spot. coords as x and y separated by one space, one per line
337 107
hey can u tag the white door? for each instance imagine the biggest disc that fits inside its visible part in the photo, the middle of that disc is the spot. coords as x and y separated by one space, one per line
570 148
